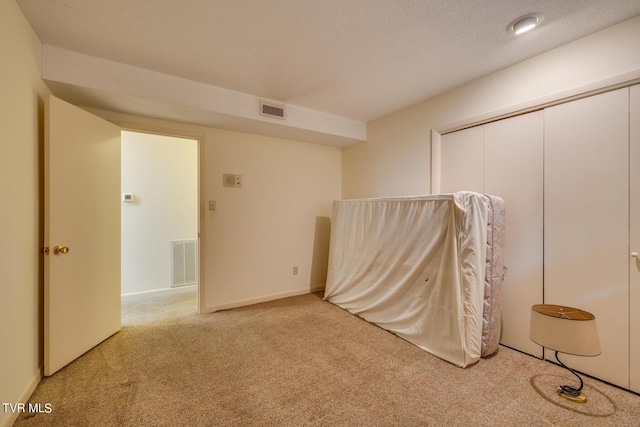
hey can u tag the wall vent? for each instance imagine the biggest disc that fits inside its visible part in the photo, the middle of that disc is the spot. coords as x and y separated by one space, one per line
271 110
184 262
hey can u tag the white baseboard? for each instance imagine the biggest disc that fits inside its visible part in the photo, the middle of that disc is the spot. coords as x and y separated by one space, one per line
9 418
158 292
257 300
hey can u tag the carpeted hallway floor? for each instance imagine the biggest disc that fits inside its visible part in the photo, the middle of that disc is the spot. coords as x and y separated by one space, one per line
296 362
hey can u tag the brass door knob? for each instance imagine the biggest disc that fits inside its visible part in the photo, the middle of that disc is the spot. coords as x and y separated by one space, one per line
60 250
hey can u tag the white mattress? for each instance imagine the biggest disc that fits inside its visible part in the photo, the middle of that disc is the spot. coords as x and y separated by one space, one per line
415 266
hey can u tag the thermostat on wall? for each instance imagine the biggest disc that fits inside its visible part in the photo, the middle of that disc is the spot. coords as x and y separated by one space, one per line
127 197
231 180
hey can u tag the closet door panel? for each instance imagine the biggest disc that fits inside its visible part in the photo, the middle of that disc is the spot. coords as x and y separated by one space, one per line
462 161
514 171
634 262
586 211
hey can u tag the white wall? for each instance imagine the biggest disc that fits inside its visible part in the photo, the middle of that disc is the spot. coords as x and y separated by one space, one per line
21 151
260 232
395 159
162 173
277 220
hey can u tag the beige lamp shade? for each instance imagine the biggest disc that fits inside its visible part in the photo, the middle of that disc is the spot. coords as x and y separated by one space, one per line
564 329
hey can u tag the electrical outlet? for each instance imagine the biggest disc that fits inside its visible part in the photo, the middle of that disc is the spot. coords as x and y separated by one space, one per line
295 271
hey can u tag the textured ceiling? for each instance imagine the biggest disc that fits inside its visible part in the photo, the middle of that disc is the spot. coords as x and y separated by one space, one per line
359 59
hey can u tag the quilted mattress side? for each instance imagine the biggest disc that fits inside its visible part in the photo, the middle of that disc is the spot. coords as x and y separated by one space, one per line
494 276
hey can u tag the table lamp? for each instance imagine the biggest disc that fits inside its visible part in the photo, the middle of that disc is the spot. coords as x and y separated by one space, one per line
565 330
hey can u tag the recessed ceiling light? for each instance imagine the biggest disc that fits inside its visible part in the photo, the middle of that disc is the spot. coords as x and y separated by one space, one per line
525 23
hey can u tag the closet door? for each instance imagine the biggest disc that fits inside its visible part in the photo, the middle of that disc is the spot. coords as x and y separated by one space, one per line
462 161
514 171
504 158
634 262
586 211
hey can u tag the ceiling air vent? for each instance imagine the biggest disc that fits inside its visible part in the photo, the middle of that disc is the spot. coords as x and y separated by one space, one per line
271 110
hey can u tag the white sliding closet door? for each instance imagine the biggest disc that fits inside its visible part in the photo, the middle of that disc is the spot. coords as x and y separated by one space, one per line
462 161
514 171
504 158
586 211
634 262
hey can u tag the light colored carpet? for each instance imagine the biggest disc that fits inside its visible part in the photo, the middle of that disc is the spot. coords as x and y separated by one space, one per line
301 361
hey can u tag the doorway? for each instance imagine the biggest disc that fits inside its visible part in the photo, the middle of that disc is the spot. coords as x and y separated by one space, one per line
159 214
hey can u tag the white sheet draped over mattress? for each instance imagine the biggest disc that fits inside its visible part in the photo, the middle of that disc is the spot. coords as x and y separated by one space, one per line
414 266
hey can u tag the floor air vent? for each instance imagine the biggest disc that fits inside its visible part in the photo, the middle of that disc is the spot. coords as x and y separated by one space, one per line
271 110
184 262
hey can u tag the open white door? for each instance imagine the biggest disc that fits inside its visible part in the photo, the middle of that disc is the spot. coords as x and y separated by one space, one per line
81 232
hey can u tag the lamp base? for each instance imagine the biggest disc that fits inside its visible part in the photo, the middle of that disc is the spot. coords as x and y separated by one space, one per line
580 398
573 394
